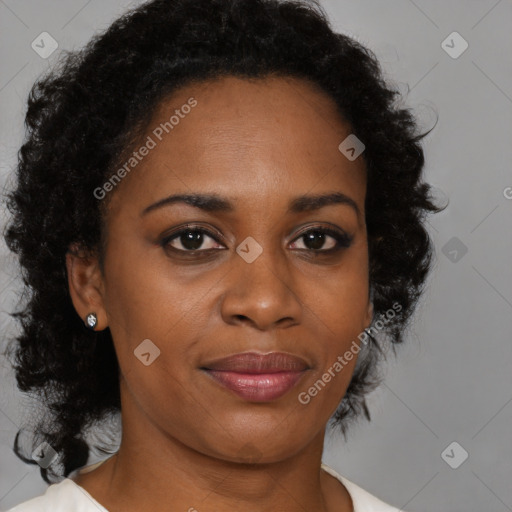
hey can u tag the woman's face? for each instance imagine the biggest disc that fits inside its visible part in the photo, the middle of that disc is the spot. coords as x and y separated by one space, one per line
263 281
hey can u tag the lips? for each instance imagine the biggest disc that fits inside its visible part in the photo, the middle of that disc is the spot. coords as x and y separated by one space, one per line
252 362
257 377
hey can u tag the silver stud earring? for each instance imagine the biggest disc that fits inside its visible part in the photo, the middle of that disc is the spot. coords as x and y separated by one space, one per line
91 320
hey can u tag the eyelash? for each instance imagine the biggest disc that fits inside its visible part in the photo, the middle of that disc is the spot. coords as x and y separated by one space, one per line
343 240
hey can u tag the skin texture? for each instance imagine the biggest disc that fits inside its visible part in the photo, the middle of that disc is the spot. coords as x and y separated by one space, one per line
188 442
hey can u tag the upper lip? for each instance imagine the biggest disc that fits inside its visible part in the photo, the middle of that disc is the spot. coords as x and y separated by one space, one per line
254 362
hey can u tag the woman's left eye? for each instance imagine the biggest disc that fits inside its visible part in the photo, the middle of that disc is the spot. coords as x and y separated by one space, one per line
315 240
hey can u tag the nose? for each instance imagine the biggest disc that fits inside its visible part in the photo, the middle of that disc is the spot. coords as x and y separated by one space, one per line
262 293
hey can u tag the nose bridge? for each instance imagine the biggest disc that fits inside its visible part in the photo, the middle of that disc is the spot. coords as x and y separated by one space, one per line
262 265
261 286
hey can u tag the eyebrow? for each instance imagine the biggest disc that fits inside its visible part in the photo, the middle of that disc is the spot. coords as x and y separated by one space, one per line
215 203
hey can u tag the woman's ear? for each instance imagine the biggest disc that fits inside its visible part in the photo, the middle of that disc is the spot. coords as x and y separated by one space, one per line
86 285
369 314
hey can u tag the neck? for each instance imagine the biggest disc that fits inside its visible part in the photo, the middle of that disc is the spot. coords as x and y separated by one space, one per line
153 471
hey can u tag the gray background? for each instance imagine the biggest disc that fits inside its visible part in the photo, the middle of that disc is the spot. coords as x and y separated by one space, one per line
452 380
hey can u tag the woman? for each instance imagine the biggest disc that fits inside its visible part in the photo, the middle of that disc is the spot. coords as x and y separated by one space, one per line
219 214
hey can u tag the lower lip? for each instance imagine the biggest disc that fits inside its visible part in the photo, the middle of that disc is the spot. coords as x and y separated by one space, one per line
259 387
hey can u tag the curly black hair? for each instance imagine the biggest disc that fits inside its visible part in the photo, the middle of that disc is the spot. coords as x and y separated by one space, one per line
94 104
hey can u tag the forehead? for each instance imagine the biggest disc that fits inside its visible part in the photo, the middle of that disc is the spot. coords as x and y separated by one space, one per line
252 140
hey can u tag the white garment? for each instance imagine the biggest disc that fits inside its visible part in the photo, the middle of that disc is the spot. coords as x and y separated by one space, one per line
68 496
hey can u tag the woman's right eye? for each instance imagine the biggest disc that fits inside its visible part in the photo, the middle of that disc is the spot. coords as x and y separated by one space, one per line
191 239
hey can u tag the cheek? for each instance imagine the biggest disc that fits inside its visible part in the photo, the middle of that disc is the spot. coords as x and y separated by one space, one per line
339 298
144 294
150 321
150 299
339 308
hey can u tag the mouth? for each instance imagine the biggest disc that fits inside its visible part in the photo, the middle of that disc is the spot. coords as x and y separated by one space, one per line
258 377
